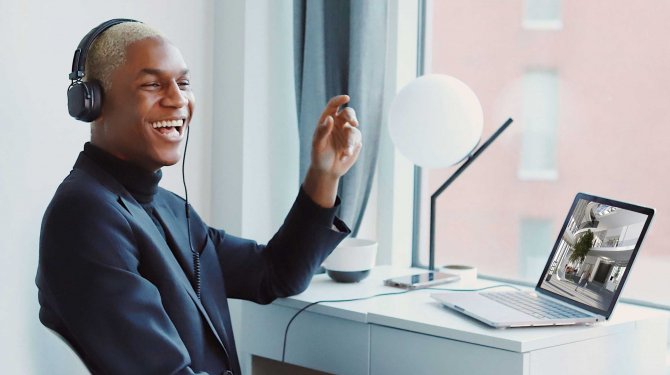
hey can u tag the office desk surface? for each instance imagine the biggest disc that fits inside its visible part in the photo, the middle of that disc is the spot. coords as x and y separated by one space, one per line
416 311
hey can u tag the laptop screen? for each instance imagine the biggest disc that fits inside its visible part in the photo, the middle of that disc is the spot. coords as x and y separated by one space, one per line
594 252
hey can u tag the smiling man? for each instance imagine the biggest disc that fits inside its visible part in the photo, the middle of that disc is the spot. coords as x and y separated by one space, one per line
129 275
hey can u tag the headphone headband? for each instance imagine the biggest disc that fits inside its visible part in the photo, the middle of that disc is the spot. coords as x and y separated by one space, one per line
79 60
84 99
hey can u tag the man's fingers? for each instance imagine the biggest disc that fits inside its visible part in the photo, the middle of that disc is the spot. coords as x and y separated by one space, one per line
356 151
323 131
353 140
336 101
354 145
348 115
333 105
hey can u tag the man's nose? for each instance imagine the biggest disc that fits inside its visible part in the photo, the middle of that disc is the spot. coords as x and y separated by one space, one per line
174 96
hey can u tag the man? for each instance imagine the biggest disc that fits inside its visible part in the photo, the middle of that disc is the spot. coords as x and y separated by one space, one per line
132 280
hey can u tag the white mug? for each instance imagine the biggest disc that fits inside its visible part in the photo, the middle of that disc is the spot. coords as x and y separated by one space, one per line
351 260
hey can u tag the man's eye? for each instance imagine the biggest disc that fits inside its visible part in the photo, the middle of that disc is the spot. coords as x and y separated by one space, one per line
151 85
184 84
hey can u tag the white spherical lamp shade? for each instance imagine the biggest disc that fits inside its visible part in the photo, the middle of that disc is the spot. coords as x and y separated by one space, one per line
436 121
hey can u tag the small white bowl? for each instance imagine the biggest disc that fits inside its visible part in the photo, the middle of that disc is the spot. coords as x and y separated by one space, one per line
352 260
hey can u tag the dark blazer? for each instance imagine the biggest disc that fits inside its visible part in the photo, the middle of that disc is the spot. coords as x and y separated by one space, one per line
112 287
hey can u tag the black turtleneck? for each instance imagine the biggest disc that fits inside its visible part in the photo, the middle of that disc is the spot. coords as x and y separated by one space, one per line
139 182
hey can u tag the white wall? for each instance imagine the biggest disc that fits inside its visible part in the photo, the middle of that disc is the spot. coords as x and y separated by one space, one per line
255 157
39 143
255 175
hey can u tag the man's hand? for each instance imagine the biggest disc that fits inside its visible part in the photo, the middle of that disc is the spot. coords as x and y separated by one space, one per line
335 148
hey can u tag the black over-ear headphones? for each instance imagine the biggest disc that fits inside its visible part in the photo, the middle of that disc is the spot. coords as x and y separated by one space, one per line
84 99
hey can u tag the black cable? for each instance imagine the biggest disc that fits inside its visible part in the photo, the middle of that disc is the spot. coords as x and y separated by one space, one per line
196 256
283 352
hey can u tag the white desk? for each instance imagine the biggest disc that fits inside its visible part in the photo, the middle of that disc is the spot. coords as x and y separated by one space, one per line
413 334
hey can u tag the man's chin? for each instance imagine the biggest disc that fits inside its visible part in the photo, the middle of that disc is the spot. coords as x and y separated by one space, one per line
167 160
171 161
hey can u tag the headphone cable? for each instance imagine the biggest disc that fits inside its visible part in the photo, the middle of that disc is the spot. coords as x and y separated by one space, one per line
196 255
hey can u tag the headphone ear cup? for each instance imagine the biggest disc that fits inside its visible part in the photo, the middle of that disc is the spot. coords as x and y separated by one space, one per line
84 100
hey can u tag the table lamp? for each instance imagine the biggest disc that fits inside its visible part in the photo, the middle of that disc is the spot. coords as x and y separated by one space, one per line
436 121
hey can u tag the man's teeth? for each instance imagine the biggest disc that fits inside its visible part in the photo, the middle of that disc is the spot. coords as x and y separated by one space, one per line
167 124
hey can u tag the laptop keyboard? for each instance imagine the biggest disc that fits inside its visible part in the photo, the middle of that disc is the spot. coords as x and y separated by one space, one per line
541 308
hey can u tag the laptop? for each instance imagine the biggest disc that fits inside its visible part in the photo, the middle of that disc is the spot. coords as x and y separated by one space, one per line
583 276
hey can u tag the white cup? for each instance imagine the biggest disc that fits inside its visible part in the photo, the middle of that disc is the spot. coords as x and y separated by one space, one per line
351 260
467 273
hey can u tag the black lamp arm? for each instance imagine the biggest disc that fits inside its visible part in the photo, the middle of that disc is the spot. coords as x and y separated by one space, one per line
454 176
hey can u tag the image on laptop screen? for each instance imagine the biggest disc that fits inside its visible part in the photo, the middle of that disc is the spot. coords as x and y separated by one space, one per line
594 253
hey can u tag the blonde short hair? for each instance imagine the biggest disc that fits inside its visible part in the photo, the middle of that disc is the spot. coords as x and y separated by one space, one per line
108 51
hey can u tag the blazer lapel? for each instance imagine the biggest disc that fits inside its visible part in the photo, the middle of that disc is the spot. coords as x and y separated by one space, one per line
145 221
176 230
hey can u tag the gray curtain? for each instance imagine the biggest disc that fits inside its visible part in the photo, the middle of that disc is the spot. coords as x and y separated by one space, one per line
340 48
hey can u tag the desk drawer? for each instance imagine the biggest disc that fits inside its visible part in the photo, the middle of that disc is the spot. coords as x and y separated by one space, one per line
317 341
396 351
639 351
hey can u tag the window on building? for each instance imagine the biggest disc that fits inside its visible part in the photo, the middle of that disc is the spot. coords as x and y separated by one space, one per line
539 121
542 14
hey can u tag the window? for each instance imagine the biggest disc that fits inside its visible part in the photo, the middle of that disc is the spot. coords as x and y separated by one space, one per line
542 14
539 120
589 103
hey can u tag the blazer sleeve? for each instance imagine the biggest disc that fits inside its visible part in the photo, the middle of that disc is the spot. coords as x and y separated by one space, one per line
285 266
92 293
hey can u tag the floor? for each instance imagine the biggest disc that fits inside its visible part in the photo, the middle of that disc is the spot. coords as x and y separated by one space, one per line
593 294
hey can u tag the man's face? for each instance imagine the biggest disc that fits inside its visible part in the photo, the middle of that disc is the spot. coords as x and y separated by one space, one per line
150 104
